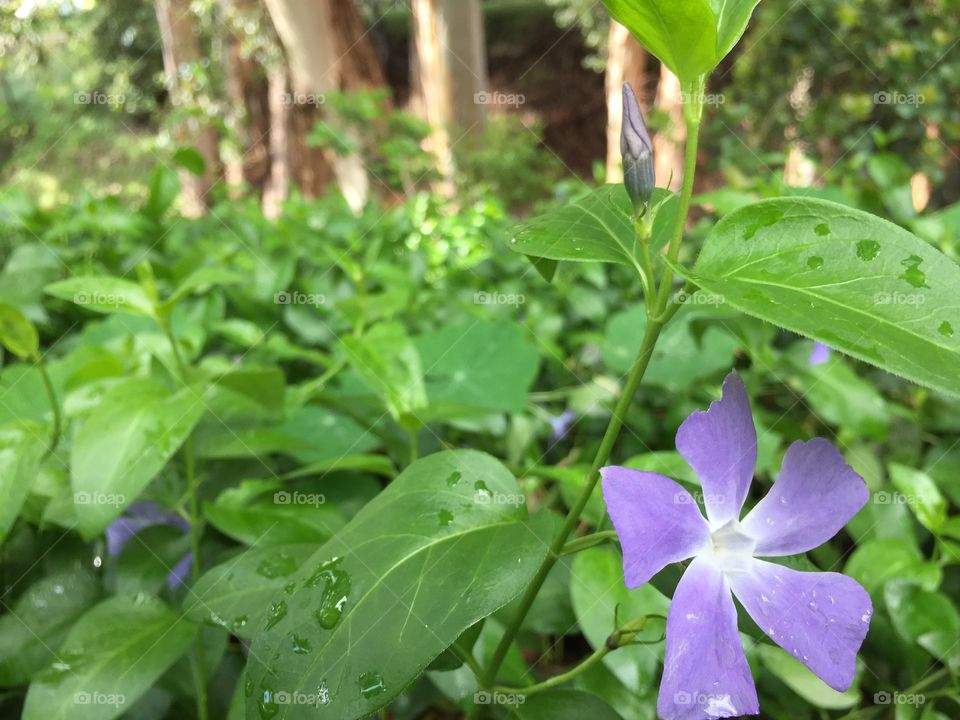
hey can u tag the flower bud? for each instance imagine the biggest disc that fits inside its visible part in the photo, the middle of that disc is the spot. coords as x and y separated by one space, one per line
637 152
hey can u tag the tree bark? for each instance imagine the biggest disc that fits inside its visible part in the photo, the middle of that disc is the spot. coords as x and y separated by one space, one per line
182 48
668 143
449 81
626 62
277 185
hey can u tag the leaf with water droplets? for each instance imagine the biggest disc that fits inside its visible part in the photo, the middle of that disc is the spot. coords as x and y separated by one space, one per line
395 577
867 287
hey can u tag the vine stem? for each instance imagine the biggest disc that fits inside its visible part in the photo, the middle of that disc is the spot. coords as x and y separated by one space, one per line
657 317
193 488
54 406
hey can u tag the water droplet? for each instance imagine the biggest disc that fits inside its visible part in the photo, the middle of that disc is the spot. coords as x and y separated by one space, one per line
289 588
239 622
371 684
216 620
814 262
483 492
280 565
822 229
336 591
445 517
454 478
267 705
276 613
867 249
300 645
913 274
323 693
945 329
247 687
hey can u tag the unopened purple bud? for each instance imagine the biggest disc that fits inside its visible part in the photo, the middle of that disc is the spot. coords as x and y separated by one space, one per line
637 152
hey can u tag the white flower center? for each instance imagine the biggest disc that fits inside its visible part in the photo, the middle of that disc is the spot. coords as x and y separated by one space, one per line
730 548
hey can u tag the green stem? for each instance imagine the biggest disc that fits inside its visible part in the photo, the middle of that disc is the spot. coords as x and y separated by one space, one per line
658 315
562 678
589 541
193 489
54 406
414 445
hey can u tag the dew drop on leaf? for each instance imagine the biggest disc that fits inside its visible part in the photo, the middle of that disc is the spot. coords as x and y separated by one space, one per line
336 591
299 645
280 565
276 613
371 684
267 705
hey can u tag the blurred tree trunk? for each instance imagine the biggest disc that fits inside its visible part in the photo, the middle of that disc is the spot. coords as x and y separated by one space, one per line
181 48
626 62
327 50
277 185
668 143
448 73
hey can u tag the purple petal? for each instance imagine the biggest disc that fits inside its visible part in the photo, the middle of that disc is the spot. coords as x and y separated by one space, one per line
720 444
705 671
180 571
814 496
819 355
658 522
820 618
561 424
134 519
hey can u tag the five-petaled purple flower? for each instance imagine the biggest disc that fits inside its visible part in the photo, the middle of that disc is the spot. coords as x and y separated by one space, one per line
821 618
819 354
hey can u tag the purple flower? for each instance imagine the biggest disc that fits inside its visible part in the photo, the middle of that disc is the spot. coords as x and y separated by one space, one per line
561 424
637 152
142 515
821 618
819 355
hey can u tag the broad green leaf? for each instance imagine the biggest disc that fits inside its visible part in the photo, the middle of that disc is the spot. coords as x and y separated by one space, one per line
597 227
849 279
876 561
243 594
263 512
803 682
111 656
17 333
558 704
444 545
163 190
690 37
104 294
199 279
478 365
927 618
22 447
599 594
921 494
839 396
38 621
388 363
148 557
190 159
123 443
680 357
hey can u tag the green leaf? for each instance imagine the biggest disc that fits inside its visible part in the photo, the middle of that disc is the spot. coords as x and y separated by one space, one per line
803 682
927 618
104 294
264 512
22 447
162 193
690 37
841 276
478 365
839 396
444 545
876 561
147 559
190 159
35 626
921 494
124 442
17 333
597 589
388 363
111 656
596 227
243 594
199 279
561 704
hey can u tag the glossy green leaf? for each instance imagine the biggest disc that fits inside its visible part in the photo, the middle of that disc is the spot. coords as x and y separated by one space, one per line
927 618
690 36
124 442
921 494
599 595
562 704
35 625
803 682
22 447
837 395
243 594
849 279
162 192
199 279
110 657
394 577
876 561
104 294
17 333
478 366
148 557
190 159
